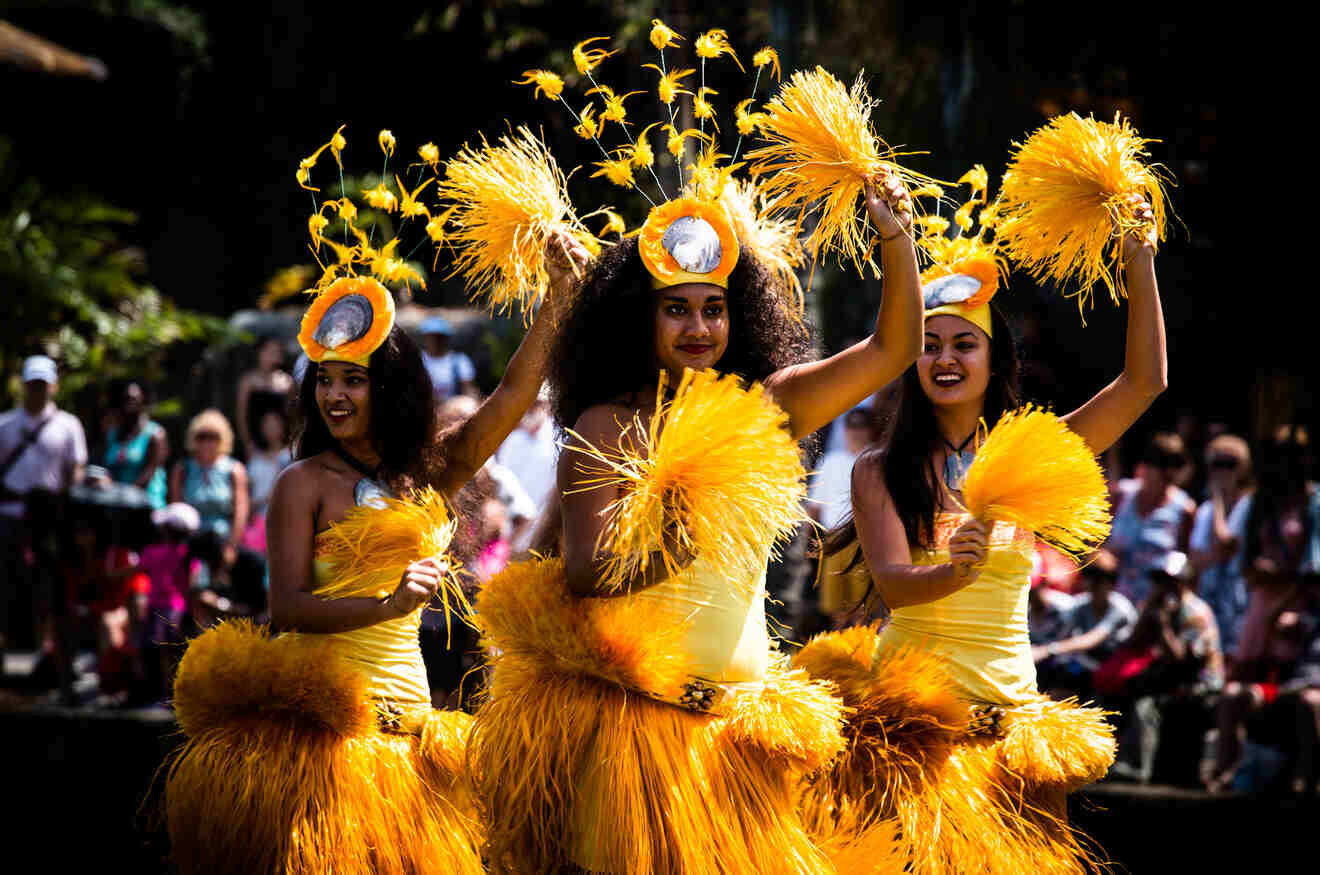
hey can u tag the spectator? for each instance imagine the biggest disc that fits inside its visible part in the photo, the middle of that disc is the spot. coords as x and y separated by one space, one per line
270 455
1153 518
493 479
829 497
1094 627
265 387
43 451
451 371
136 447
1302 691
1047 616
1219 535
1282 551
162 611
531 453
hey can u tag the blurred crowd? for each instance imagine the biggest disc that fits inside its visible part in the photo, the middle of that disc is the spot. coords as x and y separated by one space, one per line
1197 624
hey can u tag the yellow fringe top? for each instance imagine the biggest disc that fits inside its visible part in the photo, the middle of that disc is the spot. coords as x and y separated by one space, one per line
980 632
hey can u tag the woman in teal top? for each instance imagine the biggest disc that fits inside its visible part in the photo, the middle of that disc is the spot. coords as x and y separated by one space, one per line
136 449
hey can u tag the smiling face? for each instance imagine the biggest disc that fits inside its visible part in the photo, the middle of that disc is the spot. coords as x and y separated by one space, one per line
691 326
954 367
343 395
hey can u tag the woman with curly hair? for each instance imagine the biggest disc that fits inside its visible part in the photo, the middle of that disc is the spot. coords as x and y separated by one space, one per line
318 750
632 773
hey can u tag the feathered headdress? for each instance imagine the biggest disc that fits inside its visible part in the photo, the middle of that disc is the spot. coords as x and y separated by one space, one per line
1065 203
966 268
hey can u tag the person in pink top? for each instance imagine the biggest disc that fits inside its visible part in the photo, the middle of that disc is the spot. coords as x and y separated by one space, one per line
161 612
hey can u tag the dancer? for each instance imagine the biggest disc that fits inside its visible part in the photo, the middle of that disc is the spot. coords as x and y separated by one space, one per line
951 747
639 718
317 750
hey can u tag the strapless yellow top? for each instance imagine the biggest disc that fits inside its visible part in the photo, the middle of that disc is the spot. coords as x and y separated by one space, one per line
980 631
724 639
388 653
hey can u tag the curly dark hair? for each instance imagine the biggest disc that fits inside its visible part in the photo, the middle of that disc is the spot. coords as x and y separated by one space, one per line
604 349
403 419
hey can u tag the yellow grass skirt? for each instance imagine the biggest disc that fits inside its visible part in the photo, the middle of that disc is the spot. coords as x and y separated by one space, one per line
917 785
574 768
286 768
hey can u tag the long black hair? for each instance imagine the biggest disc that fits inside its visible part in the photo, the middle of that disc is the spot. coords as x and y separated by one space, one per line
604 350
911 435
403 420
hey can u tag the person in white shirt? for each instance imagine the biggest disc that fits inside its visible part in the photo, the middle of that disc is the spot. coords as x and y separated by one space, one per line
531 453
829 495
43 451
451 371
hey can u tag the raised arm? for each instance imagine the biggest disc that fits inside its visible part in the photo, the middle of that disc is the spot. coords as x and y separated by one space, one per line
291 537
584 508
888 555
468 446
1102 420
816 392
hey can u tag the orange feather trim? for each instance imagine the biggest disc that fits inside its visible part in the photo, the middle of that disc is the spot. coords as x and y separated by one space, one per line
358 351
285 768
662 265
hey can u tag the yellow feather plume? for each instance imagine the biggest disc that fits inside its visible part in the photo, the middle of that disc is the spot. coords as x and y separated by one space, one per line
370 547
822 151
1065 194
717 463
773 241
508 200
1035 472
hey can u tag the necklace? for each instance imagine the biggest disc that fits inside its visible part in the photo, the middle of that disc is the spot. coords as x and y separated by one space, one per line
957 461
369 491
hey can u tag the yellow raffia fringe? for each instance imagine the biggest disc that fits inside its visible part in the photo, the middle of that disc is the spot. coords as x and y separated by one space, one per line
822 151
285 769
1034 471
369 549
573 768
1064 201
505 203
914 786
773 241
716 464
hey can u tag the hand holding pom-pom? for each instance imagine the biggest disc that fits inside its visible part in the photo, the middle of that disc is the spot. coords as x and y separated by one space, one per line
419 583
889 205
967 549
1141 239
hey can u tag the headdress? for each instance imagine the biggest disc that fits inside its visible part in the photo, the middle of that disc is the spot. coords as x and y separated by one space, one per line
705 218
965 269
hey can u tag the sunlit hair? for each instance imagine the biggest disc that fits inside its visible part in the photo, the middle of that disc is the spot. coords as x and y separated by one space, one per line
1234 446
210 420
403 420
605 348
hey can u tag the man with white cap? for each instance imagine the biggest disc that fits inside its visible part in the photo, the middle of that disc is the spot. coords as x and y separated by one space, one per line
451 371
43 452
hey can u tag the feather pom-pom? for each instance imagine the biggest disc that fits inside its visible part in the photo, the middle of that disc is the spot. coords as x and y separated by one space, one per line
773 241
508 200
717 467
1036 472
1065 201
369 549
822 152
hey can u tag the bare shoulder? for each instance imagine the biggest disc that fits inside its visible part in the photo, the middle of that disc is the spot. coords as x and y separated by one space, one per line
869 469
300 481
604 423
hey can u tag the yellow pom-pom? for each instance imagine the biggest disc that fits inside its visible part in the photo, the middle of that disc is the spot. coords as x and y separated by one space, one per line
822 151
1065 202
717 464
1036 472
369 549
508 201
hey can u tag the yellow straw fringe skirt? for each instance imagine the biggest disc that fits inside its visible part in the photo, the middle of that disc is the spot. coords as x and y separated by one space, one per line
577 772
919 785
286 768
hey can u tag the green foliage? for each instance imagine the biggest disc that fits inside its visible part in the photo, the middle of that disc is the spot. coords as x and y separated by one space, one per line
74 290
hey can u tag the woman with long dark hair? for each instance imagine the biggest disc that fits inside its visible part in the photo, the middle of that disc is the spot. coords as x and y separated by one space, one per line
953 659
318 750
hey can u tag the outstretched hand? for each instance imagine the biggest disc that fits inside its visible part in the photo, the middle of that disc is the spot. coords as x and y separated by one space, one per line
889 205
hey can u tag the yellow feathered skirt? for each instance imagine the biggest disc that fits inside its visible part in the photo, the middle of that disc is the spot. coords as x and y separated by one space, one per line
576 770
286 768
919 784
